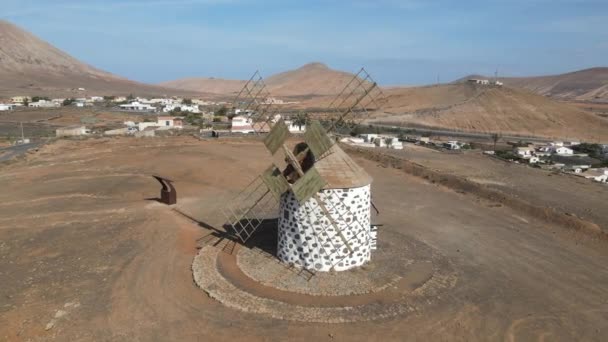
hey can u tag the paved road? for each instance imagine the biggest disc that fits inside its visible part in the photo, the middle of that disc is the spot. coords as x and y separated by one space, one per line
8 153
460 134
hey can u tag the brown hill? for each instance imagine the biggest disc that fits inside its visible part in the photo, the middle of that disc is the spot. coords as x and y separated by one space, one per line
206 85
314 79
30 66
487 109
583 85
310 79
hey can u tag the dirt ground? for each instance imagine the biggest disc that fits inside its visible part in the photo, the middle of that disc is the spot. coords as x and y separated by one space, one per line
44 122
87 254
566 193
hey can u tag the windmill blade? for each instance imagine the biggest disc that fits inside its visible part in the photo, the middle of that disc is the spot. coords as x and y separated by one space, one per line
355 102
254 98
249 209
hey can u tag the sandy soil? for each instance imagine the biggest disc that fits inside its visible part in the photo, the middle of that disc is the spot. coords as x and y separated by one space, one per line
566 193
85 256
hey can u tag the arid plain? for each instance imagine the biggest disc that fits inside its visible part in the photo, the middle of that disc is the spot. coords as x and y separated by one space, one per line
86 253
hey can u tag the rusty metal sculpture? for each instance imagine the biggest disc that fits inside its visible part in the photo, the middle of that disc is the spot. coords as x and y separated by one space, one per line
168 195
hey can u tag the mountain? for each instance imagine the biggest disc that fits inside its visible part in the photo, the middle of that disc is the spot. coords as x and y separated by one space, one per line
583 85
488 109
312 79
30 66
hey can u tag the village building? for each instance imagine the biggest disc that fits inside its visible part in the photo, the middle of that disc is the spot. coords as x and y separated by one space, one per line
394 143
479 81
452 145
524 152
368 138
170 122
380 142
5 107
598 175
182 107
424 140
44 104
162 101
72 131
20 99
295 128
564 151
242 124
137 107
118 99
579 168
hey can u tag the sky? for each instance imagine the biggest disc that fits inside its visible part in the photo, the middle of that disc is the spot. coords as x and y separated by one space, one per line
408 42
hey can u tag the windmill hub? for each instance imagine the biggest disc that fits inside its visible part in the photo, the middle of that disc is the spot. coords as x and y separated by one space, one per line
308 238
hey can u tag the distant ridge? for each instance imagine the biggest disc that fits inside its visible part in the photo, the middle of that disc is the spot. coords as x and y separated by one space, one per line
308 80
583 85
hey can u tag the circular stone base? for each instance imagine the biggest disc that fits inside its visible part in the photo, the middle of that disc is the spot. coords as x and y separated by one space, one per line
408 261
404 275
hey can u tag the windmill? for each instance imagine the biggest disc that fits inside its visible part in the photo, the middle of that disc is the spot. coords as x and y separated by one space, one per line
322 197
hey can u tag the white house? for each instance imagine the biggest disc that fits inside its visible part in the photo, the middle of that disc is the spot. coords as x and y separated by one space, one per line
138 107
368 138
395 144
356 142
564 151
162 101
4 107
534 160
293 128
170 122
452 145
184 108
20 99
380 141
424 140
598 175
524 152
557 143
242 124
44 104
72 131
479 81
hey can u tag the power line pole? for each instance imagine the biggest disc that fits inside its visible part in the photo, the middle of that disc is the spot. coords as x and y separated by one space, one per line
22 136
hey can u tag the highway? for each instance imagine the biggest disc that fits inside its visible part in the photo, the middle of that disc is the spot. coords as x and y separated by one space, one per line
460 134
